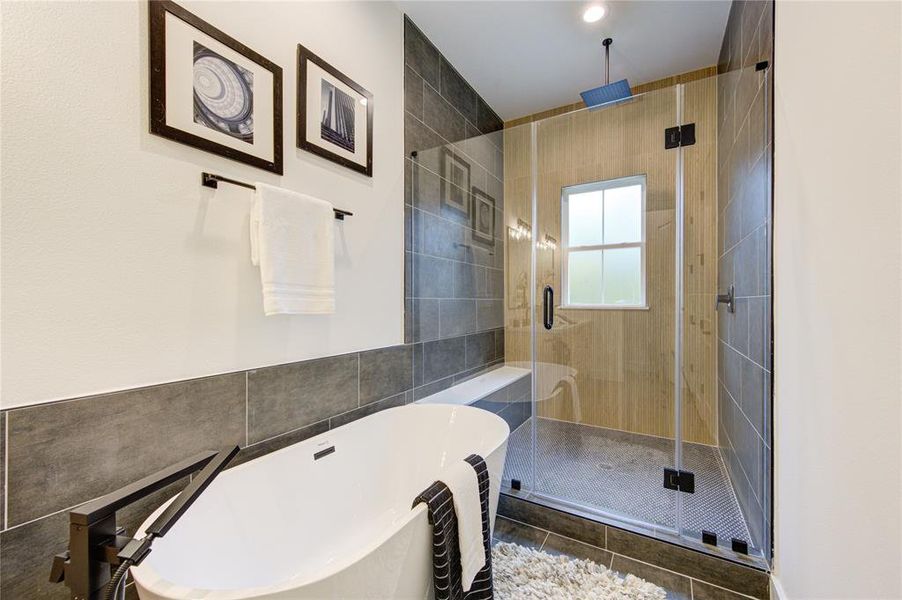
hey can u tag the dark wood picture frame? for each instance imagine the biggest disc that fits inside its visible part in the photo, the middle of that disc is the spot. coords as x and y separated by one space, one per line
486 239
304 55
446 184
158 125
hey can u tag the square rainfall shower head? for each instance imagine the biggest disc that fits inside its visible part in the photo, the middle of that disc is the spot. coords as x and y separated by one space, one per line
607 94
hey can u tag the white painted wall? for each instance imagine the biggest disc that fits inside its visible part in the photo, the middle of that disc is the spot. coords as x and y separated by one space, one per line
838 237
118 268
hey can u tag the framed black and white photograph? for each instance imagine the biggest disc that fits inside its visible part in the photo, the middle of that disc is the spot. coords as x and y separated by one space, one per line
483 218
335 114
210 91
455 182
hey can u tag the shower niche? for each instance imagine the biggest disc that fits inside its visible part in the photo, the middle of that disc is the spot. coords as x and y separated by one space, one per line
651 400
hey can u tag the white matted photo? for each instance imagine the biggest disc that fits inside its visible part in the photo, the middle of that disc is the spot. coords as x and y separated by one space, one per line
335 114
212 92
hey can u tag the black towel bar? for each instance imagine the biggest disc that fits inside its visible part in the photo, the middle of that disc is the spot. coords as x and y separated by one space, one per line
212 181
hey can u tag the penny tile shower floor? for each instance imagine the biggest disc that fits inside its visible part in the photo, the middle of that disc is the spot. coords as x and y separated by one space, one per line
622 473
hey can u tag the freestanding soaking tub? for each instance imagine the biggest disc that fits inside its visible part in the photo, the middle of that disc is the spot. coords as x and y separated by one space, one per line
287 525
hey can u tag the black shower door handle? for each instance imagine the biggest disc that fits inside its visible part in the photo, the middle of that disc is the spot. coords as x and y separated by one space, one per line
548 306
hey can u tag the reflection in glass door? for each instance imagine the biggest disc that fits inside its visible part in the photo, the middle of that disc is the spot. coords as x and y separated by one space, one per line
605 232
620 235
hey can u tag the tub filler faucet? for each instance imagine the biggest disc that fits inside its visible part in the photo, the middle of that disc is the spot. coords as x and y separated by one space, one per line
97 546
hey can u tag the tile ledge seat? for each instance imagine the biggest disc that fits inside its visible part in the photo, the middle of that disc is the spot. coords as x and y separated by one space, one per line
473 390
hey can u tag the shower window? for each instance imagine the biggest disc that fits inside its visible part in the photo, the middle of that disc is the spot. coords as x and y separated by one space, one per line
603 227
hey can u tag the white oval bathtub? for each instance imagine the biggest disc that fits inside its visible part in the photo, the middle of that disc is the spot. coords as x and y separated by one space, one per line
288 526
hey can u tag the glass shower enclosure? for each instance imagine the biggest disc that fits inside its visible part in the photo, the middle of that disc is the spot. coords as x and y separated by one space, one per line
618 278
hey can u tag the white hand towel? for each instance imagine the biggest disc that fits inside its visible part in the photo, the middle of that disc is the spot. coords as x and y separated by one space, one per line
464 485
292 242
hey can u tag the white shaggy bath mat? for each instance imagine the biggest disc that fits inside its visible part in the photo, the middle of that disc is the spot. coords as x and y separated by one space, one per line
522 573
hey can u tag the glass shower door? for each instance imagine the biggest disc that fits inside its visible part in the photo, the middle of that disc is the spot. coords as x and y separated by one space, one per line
604 195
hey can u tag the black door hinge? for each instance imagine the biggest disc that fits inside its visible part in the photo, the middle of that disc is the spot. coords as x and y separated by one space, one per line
683 481
681 135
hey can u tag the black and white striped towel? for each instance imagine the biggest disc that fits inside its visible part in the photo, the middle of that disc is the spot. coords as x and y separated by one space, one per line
446 572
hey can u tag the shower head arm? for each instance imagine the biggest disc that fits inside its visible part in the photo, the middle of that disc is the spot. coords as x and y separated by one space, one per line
607 59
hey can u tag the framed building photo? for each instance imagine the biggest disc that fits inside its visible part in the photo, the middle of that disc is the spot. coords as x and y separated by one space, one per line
210 91
335 114
455 182
483 218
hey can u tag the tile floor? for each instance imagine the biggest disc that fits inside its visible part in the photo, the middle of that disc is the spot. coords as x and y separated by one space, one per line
678 586
622 473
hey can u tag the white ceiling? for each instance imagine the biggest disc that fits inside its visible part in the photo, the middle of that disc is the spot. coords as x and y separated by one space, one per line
524 57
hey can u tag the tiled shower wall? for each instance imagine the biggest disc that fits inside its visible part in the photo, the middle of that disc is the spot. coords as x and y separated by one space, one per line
744 181
454 271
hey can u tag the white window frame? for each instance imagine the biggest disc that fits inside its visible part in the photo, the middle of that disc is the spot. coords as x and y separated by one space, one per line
596 186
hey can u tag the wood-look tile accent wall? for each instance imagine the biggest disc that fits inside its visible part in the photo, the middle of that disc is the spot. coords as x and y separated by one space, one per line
621 361
637 89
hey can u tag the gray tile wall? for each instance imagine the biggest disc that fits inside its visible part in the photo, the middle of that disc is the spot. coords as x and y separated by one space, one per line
744 180
454 265
58 455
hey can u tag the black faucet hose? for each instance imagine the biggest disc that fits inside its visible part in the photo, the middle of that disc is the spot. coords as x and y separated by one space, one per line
115 589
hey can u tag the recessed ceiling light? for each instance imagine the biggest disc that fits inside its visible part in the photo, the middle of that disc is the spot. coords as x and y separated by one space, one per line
593 14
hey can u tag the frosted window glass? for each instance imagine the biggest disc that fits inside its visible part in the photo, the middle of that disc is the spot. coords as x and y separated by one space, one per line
623 214
584 277
623 276
585 218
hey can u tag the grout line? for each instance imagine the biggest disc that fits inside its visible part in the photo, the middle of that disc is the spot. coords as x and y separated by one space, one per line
246 411
653 565
467 121
524 523
548 533
720 587
463 226
747 480
295 430
358 386
478 95
736 403
736 350
5 471
545 540
747 236
456 144
51 514
691 589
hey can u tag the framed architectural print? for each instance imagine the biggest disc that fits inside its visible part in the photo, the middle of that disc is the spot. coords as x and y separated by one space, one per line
483 218
335 114
455 182
210 91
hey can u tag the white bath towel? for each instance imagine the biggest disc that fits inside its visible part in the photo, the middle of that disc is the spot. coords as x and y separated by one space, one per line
292 242
462 481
